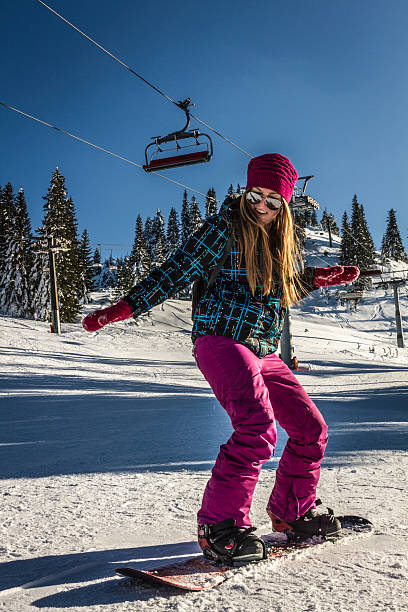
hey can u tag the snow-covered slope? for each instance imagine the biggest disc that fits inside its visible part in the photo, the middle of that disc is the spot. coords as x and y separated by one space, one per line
107 440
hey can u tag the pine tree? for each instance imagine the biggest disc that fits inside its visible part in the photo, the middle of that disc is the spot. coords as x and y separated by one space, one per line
109 272
158 231
7 213
87 269
60 222
124 278
186 225
230 191
15 294
300 218
363 253
149 238
210 203
313 219
173 232
308 216
139 257
40 281
97 256
328 221
196 220
347 243
391 246
97 267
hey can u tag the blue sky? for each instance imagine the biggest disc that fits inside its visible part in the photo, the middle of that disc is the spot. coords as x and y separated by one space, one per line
324 83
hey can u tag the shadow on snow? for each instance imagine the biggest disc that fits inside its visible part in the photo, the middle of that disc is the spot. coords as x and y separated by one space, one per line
63 569
97 428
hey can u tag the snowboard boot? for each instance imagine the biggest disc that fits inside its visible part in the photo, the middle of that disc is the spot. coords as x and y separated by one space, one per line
308 525
230 545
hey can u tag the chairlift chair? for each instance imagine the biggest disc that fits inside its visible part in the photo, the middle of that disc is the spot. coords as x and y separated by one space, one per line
193 138
302 199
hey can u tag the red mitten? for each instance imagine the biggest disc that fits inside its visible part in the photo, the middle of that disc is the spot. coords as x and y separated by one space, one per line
98 318
336 275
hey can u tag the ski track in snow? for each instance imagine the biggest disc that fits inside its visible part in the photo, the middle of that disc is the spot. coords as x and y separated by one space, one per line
107 441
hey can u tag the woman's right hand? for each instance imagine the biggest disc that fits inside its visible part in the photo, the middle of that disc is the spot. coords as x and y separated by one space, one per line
98 318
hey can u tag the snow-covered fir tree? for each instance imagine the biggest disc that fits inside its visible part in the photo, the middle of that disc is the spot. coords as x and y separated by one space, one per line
149 237
139 257
109 272
173 232
40 281
87 269
210 203
186 223
391 245
313 219
125 278
97 267
97 258
196 220
347 243
300 217
60 223
7 213
230 191
15 290
158 231
328 221
363 254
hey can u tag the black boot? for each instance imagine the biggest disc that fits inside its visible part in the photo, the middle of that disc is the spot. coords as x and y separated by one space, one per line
231 545
314 524
308 525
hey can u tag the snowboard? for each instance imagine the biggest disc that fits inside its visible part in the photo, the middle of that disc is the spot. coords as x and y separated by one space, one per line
198 573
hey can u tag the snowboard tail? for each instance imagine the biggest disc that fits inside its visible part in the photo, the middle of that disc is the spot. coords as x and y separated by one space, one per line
197 573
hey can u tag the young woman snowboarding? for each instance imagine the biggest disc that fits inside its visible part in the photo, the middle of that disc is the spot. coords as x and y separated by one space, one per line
237 326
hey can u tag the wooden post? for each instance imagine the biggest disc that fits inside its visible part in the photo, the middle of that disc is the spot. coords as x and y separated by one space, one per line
55 317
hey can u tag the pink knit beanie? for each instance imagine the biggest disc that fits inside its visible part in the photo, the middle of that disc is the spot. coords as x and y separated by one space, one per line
272 171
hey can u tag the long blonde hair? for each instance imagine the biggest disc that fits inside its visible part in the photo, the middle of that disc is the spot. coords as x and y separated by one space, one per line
281 258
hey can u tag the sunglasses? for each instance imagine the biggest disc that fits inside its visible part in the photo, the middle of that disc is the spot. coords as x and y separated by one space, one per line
254 197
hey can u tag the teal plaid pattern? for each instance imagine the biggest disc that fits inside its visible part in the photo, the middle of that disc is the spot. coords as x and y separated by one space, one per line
228 307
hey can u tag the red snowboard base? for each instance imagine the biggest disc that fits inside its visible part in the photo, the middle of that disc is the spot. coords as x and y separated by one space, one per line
197 574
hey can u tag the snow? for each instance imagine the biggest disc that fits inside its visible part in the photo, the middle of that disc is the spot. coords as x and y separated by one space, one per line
107 440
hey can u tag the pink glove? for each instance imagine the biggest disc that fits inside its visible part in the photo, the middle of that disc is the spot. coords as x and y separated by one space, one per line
336 275
98 318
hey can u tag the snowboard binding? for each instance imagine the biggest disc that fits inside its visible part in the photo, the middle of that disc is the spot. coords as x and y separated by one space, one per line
309 525
225 543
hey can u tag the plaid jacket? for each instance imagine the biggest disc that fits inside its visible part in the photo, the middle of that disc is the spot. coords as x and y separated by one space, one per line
227 308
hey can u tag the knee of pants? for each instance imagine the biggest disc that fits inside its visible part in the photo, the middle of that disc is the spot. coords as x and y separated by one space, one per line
316 430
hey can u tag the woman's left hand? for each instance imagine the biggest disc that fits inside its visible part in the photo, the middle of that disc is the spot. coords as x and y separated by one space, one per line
336 275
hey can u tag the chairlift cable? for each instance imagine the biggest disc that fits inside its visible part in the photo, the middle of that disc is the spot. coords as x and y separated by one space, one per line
139 76
221 136
108 52
104 150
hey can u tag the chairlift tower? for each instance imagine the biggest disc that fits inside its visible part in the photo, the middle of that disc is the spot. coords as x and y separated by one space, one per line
300 201
395 284
55 314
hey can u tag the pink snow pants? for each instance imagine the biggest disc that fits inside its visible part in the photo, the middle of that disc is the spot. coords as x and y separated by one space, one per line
255 392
